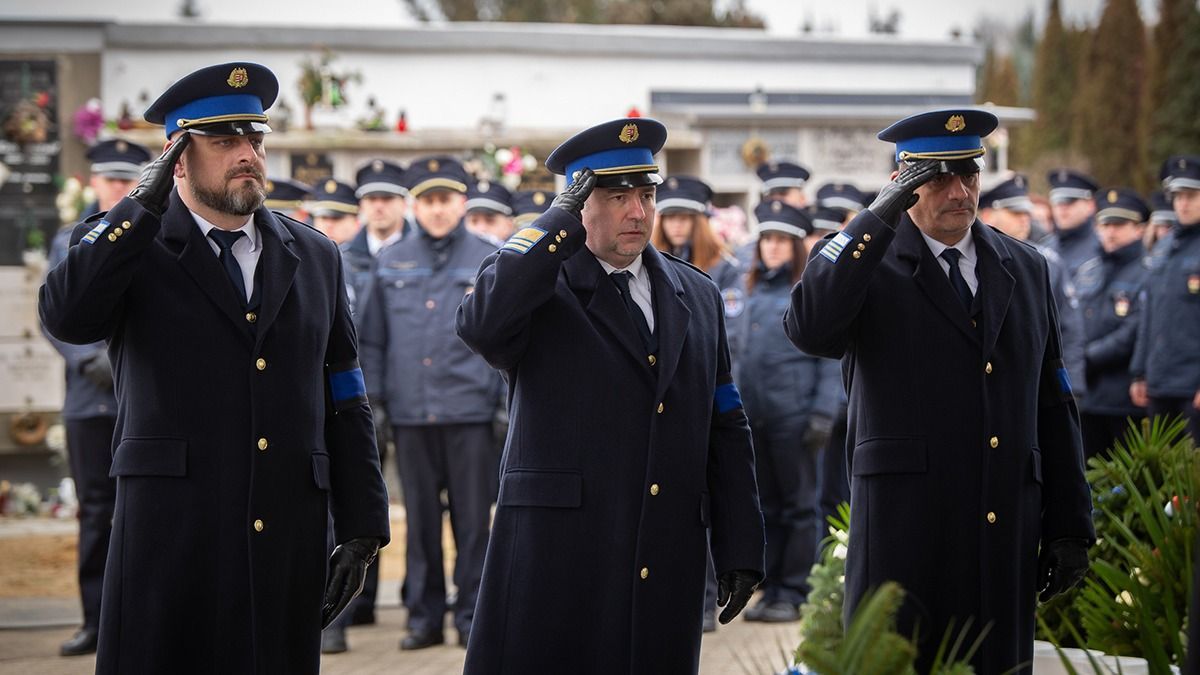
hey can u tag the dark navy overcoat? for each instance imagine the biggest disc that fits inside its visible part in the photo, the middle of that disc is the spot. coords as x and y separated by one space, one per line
231 441
963 441
616 463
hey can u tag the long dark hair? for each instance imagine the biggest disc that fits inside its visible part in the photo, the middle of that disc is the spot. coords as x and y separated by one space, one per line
799 259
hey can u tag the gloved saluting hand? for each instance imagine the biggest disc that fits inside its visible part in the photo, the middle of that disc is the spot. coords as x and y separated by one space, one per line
734 590
158 178
347 571
571 200
1061 565
897 196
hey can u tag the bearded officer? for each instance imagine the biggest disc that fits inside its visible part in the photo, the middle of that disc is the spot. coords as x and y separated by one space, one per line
628 437
963 442
242 417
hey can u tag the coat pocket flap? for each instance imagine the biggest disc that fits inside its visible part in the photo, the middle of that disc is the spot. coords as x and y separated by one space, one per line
556 489
150 457
890 455
320 466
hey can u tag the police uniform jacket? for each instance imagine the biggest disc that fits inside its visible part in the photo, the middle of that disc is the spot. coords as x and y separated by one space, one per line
780 385
616 462
427 374
727 271
1070 318
1076 246
84 399
360 274
1109 288
236 434
963 443
1167 354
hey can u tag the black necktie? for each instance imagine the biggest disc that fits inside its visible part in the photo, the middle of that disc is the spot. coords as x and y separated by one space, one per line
226 240
957 282
621 279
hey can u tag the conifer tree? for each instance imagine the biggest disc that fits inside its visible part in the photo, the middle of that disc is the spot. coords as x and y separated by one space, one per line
1053 86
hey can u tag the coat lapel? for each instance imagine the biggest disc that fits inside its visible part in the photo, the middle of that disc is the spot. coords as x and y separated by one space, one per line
181 233
930 278
996 282
278 265
671 316
587 278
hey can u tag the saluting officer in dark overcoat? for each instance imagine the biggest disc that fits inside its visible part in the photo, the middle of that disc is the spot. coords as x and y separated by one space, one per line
967 480
628 440
242 417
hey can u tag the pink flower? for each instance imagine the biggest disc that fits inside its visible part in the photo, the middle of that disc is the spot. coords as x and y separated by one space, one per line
89 120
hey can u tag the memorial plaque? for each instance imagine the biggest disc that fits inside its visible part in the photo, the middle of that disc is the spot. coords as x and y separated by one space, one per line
29 155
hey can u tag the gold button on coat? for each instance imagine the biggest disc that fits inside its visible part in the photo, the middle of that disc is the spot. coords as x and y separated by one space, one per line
251 317
660 408
552 248
258 526
862 247
645 572
654 489
988 368
127 224
262 444
118 231
995 442
562 233
991 517
866 237
112 237
651 359
261 364
857 254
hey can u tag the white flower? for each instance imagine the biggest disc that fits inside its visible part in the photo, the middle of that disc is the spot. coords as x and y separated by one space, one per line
839 552
529 162
1125 598
503 156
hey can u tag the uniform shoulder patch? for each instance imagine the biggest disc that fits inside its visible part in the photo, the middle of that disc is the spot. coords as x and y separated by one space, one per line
95 232
524 240
833 250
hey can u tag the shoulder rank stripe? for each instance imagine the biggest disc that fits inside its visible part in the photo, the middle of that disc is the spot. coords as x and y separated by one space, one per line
95 232
346 387
524 240
833 250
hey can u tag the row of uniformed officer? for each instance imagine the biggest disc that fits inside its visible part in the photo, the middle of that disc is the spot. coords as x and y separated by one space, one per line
242 418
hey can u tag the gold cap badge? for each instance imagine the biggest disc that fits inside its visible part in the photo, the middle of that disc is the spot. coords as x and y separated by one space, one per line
629 133
433 165
122 146
1112 196
331 186
377 165
238 78
539 198
483 186
955 124
776 207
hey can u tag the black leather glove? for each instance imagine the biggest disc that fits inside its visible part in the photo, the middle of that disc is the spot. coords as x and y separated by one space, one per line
816 436
734 590
347 571
897 196
571 200
1061 564
97 369
158 178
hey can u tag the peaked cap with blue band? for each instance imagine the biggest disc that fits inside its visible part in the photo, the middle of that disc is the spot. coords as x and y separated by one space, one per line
776 216
286 193
1011 195
1067 185
683 193
782 175
1121 204
620 153
380 176
117 158
1181 172
947 135
333 198
439 172
228 99
488 196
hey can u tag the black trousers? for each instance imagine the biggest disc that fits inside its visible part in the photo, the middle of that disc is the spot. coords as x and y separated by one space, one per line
89 451
363 606
787 489
462 460
1100 432
1170 406
835 483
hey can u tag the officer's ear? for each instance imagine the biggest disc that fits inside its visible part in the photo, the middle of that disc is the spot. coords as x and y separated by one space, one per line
178 170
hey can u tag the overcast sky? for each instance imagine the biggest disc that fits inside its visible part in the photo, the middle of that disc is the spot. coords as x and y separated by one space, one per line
921 19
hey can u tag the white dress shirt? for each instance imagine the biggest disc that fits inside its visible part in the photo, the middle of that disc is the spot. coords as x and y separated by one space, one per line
966 261
639 287
375 244
246 250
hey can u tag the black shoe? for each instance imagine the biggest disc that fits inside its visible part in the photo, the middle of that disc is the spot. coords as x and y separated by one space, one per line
780 612
464 636
83 642
422 640
333 640
363 616
710 621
